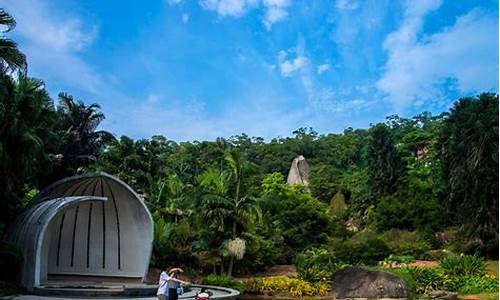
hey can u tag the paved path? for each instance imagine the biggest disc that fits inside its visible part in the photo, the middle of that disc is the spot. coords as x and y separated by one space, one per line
32 297
185 296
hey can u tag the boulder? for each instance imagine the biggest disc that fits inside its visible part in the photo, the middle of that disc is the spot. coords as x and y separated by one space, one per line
356 282
299 172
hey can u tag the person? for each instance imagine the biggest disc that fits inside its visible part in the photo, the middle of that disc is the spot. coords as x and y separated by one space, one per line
204 294
174 284
165 281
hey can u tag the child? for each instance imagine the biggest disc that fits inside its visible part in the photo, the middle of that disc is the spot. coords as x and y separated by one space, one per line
203 294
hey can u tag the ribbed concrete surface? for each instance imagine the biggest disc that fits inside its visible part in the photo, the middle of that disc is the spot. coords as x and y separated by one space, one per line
110 235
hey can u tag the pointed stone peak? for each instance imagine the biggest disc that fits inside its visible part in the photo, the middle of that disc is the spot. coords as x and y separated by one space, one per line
299 171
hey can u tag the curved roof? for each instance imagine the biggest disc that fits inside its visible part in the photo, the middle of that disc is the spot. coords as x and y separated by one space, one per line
80 184
113 238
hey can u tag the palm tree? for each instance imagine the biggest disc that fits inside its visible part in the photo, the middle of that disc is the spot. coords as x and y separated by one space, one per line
27 116
170 198
11 59
81 141
225 204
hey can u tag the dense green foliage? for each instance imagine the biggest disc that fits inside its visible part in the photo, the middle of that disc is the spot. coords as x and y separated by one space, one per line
317 264
463 265
458 273
224 206
422 280
285 287
222 280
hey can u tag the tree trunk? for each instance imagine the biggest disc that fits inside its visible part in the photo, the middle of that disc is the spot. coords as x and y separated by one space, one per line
231 260
230 268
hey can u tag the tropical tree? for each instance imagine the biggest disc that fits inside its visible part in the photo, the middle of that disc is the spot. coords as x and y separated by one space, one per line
385 166
27 116
170 198
81 142
11 59
469 156
226 204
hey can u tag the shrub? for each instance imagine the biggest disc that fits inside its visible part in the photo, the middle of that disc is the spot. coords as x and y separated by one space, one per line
290 286
224 281
317 264
405 242
463 265
473 284
438 254
364 248
423 280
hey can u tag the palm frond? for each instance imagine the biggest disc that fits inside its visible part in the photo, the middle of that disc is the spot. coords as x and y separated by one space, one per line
7 20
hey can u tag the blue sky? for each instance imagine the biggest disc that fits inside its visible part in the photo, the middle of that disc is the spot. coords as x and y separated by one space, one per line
199 69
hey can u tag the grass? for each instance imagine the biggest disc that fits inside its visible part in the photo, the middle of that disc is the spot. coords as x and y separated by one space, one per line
492 267
482 296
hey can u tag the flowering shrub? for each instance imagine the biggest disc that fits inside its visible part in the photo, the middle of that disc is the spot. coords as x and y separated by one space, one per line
396 261
281 284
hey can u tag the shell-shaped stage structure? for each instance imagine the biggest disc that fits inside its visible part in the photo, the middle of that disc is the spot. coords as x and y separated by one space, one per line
84 226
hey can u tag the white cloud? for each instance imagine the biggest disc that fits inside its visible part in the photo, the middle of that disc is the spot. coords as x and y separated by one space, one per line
174 2
188 120
346 4
185 18
465 53
275 11
35 23
233 8
288 67
323 68
52 42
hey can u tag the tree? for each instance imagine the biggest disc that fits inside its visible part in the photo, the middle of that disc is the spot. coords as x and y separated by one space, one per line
469 156
169 198
226 204
385 166
81 142
27 119
11 59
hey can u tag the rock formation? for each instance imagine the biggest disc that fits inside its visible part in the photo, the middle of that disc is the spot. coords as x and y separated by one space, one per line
299 171
356 282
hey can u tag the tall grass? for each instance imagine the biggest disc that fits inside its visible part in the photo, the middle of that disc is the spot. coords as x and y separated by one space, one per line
463 265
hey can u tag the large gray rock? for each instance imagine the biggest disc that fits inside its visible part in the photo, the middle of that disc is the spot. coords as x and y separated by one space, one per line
299 171
356 282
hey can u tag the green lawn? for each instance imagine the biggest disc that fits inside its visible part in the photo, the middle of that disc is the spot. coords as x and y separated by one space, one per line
492 267
482 296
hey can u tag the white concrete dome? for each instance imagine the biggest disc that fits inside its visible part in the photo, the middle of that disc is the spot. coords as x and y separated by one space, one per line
90 225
